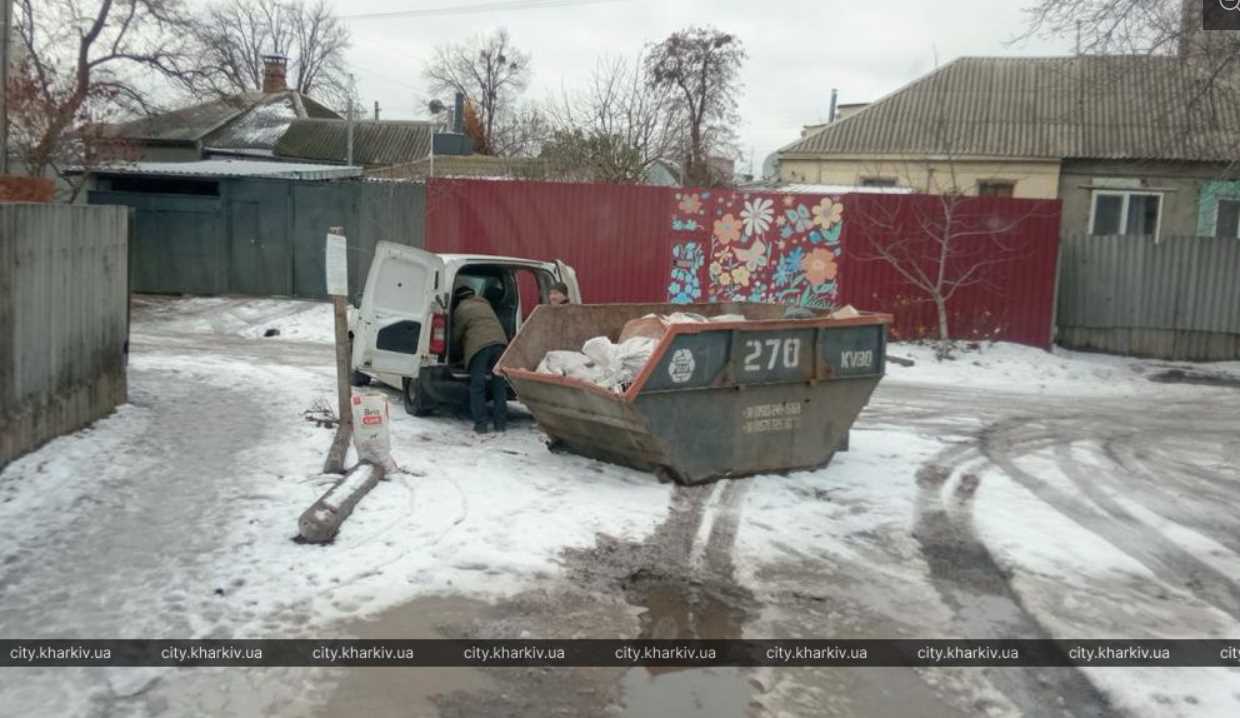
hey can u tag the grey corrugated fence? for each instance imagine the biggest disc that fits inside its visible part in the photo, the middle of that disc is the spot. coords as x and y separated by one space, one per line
263 237
1178 298
63 320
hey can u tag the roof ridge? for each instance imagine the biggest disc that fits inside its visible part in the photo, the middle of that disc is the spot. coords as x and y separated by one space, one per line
862 112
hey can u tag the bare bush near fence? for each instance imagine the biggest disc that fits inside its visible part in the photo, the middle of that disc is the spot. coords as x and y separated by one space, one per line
940 248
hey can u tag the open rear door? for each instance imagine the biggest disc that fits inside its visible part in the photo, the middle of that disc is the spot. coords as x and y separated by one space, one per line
568 275
393 328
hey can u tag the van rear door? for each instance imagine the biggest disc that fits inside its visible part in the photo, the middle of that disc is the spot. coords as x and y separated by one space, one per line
393 330
568 275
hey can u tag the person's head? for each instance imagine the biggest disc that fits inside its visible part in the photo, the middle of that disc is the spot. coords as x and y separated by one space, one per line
461 293
558 293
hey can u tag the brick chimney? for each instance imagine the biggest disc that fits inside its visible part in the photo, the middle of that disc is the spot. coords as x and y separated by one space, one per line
274 67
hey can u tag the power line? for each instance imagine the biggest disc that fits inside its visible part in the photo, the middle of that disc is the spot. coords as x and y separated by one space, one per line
481 7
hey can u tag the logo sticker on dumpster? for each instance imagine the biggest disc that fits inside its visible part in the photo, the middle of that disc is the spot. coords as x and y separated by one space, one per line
680 369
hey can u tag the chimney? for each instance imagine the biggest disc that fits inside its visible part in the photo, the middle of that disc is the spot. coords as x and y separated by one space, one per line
274 67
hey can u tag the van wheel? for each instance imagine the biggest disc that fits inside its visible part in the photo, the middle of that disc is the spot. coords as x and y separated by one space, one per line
359 379
416 403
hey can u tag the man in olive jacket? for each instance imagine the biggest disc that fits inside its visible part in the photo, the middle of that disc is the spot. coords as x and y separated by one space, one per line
474 323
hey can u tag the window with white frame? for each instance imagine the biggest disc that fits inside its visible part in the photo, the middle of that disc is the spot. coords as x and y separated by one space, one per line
1227 221
1134 214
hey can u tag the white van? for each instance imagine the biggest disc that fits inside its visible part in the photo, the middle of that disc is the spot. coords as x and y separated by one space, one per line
402 334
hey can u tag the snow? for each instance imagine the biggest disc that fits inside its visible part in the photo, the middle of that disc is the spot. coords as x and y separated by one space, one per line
1019 368
177 512
348 486
296 320
1079 585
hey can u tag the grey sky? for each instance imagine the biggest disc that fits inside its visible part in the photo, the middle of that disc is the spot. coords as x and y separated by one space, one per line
798 49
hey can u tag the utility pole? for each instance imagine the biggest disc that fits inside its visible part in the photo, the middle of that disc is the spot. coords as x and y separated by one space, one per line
6 32
348 158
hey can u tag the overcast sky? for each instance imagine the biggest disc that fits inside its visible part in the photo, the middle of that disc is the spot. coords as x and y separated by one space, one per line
798 49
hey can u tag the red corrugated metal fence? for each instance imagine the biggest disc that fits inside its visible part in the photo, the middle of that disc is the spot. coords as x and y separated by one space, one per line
650 244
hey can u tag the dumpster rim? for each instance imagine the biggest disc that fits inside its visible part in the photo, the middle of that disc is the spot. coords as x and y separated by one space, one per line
676 329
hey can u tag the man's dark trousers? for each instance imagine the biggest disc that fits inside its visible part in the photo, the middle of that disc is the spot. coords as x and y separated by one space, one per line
480 365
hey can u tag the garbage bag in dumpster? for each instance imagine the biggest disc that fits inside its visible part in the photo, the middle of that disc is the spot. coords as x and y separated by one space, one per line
716 399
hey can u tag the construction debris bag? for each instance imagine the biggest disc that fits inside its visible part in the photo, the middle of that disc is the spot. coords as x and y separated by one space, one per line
371 430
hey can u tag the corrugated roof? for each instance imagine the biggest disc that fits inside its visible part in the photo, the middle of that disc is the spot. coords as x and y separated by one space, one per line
1098 107
245 121
234 168
376 143
479 166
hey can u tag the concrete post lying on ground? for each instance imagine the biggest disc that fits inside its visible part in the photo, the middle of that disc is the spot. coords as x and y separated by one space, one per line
322 520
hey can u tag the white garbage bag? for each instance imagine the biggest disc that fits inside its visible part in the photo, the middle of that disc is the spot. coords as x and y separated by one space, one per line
371 436
570 364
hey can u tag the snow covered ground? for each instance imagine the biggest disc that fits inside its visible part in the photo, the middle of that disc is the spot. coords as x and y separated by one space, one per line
1023 369
175 516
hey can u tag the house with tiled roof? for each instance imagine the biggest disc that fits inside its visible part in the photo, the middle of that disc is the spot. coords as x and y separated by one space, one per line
244 125
1132 145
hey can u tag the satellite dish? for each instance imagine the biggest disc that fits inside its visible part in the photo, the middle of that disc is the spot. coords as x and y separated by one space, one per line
435 106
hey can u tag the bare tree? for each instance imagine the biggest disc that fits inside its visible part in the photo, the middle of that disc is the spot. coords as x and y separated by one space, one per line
520 132
232 36
703 66
941 244
82 62
617 126
489 71
948 241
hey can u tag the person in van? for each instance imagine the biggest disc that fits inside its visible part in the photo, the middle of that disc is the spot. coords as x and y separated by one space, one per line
476 327
558 293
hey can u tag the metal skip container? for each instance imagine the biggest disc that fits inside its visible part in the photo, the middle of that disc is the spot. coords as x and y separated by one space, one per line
716 399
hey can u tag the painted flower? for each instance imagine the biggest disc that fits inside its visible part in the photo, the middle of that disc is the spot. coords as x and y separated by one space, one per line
819 266
690 204
791 263
799 218
727 229
787 200
725 279
715 269
740 275
828 213
781 220
757 215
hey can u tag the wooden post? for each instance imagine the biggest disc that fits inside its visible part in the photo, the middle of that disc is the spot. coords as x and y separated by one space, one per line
321 522
338 287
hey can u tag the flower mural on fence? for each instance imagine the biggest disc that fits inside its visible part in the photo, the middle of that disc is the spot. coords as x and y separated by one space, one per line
757 215
828 213
727 229
762 248
689 206
687 261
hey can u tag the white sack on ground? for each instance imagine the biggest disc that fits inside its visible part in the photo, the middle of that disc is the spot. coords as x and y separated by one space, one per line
370 430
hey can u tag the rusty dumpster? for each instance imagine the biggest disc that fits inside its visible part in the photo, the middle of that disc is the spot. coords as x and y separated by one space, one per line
716 399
